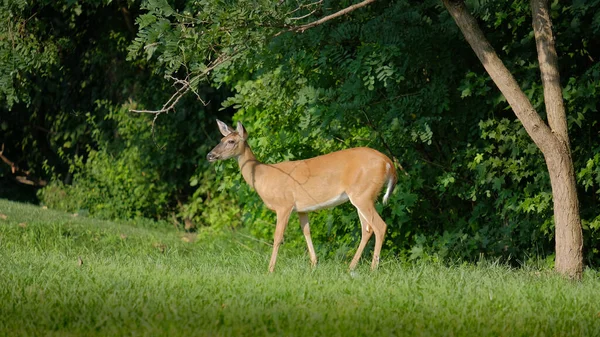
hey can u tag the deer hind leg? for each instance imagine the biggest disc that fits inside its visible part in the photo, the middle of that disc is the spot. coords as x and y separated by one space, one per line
306 230
282 221
365 236
367 211
379 237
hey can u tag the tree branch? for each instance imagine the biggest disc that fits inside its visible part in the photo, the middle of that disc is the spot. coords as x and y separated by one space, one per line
548 62
304 16
20 175
324 19
305 6
187 85
128 20
537 129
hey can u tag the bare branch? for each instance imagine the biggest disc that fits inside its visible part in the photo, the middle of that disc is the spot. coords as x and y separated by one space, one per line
128 20
187 85
32 182
21 176
150 45
304 16
170 105
12 165
305 6
324 19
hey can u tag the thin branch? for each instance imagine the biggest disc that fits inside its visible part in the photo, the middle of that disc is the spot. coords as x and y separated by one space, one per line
304 16
150 45
128 20
186 85
170 105
324 19
21 176
305 6
12 165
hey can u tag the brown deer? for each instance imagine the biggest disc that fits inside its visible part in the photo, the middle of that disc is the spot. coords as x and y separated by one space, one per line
356 175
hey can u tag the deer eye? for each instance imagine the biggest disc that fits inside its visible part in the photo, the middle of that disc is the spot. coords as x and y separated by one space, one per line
231 142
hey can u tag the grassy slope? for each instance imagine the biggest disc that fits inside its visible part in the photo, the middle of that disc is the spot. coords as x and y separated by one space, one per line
144 281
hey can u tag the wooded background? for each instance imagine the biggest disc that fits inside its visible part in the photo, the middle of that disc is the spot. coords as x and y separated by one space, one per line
397 76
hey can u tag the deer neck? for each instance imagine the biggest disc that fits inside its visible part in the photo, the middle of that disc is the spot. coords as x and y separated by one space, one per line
248 165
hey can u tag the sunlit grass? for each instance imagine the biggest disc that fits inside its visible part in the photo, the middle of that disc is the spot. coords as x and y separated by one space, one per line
66 275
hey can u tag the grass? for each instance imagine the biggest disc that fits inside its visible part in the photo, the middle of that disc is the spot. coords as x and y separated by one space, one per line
62 275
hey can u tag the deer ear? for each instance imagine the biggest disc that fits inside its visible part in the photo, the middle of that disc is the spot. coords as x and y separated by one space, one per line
224 128
242 131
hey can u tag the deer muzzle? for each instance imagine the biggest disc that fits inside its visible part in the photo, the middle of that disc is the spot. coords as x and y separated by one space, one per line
211 157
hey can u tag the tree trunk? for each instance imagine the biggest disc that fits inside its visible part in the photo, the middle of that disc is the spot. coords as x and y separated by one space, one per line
569 237
552 140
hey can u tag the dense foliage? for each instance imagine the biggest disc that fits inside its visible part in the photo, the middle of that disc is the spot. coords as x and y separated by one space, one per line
396 76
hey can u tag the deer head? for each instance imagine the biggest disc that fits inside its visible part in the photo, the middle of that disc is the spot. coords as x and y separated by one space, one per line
232 144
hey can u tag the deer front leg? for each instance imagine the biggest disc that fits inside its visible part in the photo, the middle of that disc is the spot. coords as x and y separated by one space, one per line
282 221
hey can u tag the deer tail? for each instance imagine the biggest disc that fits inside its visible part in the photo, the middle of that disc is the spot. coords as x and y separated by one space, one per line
392 178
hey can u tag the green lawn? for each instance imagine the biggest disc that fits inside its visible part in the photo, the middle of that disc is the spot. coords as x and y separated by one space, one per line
64 275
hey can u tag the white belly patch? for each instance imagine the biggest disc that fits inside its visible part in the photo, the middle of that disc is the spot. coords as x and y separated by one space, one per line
338 200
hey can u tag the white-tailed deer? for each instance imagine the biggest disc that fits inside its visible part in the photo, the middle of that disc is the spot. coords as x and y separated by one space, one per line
302 186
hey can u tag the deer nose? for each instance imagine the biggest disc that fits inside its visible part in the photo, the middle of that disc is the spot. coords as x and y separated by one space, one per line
211 157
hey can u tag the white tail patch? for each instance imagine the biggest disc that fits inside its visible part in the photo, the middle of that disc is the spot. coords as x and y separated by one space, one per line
390 184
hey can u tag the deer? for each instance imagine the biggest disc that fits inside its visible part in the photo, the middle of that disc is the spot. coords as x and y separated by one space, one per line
356 175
